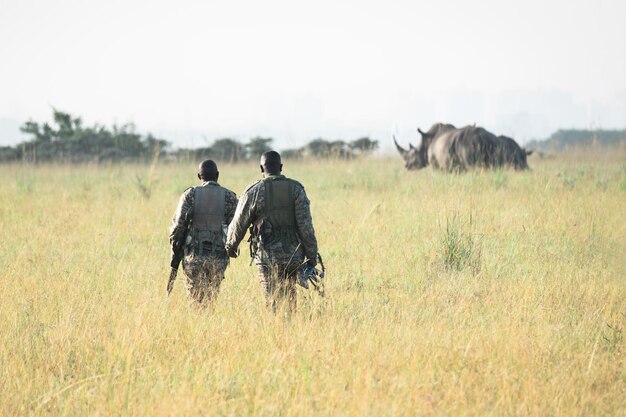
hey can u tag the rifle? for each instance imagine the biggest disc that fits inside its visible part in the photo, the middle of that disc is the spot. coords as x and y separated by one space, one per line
178 252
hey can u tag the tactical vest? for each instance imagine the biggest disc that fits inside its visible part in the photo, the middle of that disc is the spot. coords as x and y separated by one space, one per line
208 216
280 211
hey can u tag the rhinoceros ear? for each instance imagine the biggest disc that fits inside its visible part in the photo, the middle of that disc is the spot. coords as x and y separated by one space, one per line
402 151
420 131
528 153
411 146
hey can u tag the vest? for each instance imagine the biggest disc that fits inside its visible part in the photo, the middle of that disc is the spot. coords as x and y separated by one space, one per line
280 211
208 215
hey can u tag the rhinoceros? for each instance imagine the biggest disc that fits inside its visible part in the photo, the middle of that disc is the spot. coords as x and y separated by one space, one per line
449 148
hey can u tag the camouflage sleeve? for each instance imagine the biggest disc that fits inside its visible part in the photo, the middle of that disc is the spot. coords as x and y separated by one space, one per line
230 206
242 219
185 205
304 223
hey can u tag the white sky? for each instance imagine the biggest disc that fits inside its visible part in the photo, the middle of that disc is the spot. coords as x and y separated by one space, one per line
193 71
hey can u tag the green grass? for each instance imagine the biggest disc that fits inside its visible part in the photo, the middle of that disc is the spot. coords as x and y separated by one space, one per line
486 293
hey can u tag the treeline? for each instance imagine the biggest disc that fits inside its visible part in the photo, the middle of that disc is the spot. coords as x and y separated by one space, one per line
66 139
564 139
233 151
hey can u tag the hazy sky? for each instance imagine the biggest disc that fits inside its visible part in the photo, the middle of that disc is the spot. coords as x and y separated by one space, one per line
192 71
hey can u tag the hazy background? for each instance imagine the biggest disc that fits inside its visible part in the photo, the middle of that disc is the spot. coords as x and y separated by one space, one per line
191 72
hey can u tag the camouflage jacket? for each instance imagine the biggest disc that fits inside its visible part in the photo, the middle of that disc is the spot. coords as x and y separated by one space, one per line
185 208
251 212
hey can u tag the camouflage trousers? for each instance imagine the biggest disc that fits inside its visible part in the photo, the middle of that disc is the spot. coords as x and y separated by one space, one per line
278 282
204 277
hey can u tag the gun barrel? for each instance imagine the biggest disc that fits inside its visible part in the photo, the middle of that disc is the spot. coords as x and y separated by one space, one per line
172 279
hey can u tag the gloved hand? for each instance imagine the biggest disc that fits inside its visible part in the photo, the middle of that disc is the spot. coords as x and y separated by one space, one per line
232 251
308 274
303 281
313 278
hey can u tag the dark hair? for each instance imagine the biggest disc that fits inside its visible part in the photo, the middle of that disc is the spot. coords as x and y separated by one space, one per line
207 170
271 161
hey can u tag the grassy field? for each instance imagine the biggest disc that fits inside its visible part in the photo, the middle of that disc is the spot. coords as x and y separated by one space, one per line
482 294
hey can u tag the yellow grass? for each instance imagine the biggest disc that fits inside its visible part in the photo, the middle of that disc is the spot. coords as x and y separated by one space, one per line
531 322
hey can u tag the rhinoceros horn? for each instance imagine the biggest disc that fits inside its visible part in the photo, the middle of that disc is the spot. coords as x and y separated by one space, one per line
402 151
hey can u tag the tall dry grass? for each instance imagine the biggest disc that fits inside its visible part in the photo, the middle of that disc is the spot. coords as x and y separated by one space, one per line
487 293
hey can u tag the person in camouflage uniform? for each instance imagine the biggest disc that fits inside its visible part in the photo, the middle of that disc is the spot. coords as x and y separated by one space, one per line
282 237
200 223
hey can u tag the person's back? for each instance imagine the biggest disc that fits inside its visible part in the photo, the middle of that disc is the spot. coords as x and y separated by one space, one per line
200 224
277 211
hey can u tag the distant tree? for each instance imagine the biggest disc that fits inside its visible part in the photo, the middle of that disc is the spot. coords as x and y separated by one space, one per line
256 146
364 145
8 153
569 138
66 139
229 150
32 128
154 145
340 149
319 148
67 126
292 153
200 154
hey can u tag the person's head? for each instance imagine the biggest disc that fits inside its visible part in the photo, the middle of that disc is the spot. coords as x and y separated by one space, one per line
207 171
270 163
